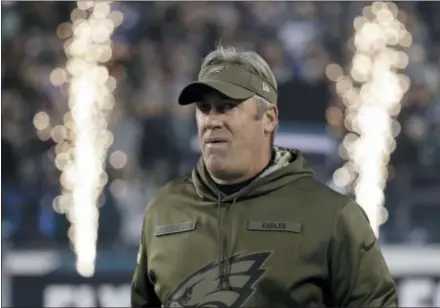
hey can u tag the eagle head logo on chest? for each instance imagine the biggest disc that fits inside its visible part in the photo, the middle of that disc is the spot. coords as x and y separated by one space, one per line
201 289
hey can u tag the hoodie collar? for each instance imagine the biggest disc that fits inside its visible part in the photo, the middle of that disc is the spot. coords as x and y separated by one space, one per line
287 166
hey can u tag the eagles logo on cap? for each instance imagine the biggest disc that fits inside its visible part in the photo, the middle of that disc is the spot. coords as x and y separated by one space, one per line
216 70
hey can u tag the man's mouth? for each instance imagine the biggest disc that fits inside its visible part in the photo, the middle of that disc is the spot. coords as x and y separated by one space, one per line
215 141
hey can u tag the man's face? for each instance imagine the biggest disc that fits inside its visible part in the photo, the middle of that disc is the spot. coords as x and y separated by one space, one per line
231 135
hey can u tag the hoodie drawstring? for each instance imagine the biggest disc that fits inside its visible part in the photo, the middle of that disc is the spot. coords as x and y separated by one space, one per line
228 268
224 253
219 244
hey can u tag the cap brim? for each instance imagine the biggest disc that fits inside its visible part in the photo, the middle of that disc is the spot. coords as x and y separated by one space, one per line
194 91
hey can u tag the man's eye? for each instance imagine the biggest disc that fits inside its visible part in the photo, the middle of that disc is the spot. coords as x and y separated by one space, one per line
204 107
227 106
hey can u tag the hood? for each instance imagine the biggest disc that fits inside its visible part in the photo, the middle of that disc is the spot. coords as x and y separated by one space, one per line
289 165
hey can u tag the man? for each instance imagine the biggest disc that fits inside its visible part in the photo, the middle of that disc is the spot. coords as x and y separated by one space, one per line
250 226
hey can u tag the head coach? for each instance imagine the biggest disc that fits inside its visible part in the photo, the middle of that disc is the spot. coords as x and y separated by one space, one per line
250 225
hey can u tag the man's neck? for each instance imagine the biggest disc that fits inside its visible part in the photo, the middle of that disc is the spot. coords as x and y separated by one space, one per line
232 181
268 159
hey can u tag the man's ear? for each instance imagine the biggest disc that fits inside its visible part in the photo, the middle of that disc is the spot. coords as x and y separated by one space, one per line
270 119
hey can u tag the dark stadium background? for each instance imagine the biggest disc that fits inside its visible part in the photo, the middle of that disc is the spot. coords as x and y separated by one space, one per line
156 50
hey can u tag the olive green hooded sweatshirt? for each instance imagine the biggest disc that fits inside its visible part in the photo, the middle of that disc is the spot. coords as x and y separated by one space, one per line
285 240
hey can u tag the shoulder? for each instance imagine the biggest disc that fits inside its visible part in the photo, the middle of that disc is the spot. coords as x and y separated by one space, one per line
317 205
338 212
161 209
319 195
171 194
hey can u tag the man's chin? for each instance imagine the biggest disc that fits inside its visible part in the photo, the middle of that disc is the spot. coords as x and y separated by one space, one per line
217 167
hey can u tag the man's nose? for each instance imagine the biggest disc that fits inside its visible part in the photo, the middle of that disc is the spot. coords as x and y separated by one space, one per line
214 117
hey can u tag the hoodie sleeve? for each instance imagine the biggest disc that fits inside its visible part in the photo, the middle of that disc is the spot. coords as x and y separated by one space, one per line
359 275
142 290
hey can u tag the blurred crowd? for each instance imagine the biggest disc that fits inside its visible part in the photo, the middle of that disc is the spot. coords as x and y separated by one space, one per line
156 51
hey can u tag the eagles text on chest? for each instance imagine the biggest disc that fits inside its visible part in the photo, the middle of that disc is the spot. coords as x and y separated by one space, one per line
274 225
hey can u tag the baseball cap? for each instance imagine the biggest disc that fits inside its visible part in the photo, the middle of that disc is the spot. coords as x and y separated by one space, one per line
231 80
